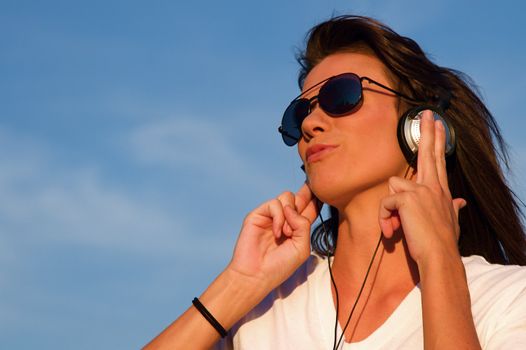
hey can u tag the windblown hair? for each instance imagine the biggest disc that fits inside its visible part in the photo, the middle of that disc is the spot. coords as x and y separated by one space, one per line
491 223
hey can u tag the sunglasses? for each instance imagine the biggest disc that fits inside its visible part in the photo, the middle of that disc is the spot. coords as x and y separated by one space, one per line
338 96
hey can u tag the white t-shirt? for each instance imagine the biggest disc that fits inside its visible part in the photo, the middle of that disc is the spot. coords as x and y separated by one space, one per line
300 313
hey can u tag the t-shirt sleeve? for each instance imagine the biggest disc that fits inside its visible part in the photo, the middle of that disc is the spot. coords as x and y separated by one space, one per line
510 331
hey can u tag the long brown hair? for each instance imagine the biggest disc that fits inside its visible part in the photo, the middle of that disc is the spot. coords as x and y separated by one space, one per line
490 224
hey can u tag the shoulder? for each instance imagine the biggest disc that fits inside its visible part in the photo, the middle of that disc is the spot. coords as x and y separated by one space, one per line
498 302
494 282
482 274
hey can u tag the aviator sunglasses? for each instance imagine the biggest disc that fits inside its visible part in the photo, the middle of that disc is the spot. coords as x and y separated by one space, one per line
339 95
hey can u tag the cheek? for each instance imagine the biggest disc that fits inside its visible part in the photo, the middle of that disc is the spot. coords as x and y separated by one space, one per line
376 157
381 128
373 139
381 145
369 156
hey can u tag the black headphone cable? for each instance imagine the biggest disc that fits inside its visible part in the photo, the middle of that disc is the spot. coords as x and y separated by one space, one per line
335 344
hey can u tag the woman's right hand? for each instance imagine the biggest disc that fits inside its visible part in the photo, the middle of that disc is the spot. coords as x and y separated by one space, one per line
275 239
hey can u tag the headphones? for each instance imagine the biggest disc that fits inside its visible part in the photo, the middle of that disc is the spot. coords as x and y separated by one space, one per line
408 130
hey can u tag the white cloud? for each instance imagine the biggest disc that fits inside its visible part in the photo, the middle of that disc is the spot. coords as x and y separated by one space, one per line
197 144
48 202
181 143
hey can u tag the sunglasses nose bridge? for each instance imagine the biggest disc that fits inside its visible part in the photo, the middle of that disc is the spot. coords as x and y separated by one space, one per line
313 102
316 121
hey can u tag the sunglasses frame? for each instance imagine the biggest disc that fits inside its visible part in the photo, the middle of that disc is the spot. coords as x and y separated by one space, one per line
284 133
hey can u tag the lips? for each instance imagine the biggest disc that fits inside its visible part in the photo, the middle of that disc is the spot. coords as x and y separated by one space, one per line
317 152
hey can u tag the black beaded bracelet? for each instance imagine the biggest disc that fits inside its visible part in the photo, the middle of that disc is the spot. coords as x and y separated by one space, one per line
206 314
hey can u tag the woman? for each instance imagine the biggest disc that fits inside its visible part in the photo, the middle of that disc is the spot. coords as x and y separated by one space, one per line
418 248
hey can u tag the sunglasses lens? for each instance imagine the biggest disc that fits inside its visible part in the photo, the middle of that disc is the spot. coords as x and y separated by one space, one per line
340 95
292 118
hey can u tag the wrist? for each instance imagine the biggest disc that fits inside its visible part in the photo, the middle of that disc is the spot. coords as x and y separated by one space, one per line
439 257
231 296
441 266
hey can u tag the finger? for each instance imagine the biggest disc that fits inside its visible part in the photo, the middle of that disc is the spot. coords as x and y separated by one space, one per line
459 203
303 197
387 227
275 210
395 221
440 155
398 184
306 203
287 198
426 163
299 223
301 230
389 207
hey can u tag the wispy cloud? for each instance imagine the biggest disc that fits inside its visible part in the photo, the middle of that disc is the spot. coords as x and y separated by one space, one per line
197 145
181 143
49 202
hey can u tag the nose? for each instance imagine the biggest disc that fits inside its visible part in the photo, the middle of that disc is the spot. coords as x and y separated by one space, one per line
316 122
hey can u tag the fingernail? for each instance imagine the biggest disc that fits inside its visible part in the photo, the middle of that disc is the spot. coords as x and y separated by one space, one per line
428 115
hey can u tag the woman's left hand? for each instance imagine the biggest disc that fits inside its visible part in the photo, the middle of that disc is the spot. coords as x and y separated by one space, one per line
424 209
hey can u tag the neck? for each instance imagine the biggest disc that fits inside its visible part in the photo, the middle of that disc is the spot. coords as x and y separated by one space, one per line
359 231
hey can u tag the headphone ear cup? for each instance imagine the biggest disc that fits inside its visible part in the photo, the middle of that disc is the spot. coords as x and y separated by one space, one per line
408 132
405 143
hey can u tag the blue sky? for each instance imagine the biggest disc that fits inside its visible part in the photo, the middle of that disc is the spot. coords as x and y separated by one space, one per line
135 136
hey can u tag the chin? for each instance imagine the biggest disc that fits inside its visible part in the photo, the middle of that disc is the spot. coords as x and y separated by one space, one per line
339 192
329 191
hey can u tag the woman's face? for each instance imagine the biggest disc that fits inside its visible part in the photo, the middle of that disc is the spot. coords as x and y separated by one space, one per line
362 148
